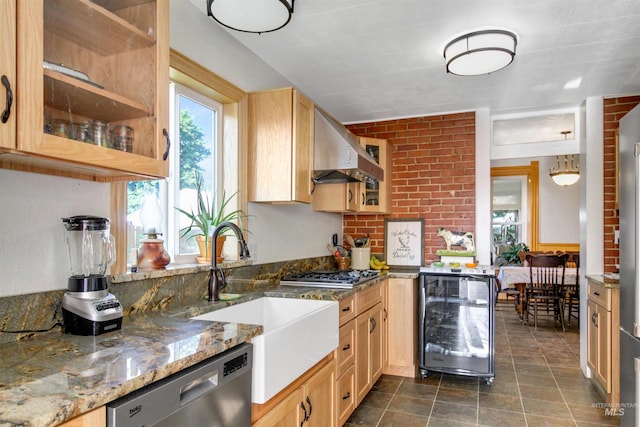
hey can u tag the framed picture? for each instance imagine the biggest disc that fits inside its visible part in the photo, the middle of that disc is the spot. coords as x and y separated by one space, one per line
403 242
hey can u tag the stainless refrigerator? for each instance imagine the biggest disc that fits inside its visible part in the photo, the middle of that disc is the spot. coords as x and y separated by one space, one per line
629 143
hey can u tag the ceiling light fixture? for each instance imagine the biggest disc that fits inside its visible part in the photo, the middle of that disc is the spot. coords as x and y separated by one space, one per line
251 16
480 52
570 174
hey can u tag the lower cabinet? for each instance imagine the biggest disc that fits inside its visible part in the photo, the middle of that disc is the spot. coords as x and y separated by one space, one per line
603 340
94 418
401 327
308 402
369 349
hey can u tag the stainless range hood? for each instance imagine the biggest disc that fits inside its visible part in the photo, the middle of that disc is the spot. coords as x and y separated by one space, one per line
338 157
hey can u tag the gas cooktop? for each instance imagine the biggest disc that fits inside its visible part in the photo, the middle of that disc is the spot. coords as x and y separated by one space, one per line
342 279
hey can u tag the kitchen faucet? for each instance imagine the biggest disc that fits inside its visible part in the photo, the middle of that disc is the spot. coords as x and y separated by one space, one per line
217 280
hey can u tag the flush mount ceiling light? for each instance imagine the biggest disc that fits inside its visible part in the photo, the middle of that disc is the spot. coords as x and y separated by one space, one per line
480 52
251 16
571 172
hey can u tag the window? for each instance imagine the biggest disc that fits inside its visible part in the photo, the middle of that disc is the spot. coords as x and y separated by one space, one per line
509 212
195 129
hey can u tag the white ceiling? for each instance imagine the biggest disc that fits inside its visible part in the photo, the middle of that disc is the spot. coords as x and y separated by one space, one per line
368 60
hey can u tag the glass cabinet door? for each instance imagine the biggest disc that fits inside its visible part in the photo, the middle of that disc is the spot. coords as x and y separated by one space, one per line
375 194
96 90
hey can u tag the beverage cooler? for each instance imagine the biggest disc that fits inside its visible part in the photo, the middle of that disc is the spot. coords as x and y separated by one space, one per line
457 322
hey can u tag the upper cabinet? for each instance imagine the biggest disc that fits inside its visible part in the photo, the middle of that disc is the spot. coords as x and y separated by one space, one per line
370 196
92 93
7 73
280 146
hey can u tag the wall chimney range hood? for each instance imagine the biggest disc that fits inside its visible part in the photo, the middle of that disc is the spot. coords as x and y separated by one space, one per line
338 157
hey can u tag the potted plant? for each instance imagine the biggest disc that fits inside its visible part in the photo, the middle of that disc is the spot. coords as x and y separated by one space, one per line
206 219
511 255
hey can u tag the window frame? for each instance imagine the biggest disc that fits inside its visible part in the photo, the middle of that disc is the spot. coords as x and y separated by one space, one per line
234 142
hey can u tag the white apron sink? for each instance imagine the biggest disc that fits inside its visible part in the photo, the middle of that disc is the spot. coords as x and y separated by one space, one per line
298 333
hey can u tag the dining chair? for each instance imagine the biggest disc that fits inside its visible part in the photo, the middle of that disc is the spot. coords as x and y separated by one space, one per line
573 289
546 287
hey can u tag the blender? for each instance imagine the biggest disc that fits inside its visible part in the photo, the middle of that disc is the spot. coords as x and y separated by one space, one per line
88 308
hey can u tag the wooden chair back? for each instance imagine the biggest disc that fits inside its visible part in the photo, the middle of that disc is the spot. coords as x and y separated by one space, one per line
547 271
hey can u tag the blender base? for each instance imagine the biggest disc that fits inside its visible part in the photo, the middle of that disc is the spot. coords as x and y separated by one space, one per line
77 325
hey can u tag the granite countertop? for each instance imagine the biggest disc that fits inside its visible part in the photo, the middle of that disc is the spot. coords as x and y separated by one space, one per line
54 377
605 280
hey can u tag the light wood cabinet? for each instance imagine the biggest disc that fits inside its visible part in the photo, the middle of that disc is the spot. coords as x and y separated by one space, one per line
345 356
280 146
311 403
370 196
116 56
8 73
603 340
401 327
94 418
369 338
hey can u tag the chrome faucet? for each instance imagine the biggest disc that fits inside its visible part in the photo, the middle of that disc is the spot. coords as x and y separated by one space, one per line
217 280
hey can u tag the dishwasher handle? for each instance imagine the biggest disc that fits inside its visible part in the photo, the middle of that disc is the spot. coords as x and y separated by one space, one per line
199 387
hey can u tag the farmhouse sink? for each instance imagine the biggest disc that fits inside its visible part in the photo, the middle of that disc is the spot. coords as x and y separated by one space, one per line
298 333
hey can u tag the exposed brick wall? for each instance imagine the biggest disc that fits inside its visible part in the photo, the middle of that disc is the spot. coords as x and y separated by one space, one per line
614 110
433 177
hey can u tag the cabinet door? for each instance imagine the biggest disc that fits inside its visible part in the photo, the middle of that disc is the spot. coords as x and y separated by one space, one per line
280 146
336 197
401 327
603 366
345 356
346 395
375 343
319 398
363 365
375 196
286 413
115 74
592 336
95 418
8 73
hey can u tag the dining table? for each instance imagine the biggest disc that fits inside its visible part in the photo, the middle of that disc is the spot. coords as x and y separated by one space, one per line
517 276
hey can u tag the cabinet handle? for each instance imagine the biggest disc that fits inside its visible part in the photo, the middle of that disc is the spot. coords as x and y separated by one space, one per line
364 200
350 196
7 112
166 135
346 396
385 315
594 319
306 417
346 347
373 324
346 309
310 406
597 294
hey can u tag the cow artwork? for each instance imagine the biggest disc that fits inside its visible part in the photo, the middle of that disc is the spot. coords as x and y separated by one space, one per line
457 238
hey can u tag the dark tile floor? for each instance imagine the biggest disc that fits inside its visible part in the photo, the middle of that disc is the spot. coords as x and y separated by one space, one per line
538 383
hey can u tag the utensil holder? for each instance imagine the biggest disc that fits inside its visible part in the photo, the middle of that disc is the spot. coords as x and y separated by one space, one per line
360 257
344 263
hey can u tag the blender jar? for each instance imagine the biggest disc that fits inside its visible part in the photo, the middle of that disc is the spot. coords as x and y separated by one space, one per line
91 251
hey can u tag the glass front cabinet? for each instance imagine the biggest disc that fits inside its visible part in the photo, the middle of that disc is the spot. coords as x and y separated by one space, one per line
92 93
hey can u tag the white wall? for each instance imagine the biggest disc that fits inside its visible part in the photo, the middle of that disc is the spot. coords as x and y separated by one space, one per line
33 253
32 249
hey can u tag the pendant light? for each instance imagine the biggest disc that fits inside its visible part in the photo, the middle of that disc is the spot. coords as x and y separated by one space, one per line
480 52
251 16
571 172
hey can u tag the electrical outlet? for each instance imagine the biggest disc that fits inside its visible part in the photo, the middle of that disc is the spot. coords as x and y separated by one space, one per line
616 237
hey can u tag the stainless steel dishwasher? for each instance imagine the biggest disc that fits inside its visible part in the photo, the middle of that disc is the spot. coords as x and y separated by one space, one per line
216 392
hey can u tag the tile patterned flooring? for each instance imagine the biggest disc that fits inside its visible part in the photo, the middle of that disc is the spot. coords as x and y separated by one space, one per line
538 383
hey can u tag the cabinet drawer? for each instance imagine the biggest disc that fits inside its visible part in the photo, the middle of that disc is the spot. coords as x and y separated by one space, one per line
346 347
347 309
600 295
367 298
346 399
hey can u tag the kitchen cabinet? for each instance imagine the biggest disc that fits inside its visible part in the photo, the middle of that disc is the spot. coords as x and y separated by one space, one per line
345 360
95 418
281 138
91 65
401 331
370 196
603 339
369 350
311 403
7 73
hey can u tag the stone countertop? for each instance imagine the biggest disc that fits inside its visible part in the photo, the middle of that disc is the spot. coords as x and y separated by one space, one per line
604 281
50 379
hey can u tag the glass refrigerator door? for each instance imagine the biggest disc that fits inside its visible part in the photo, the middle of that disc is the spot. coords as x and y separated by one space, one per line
457 329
